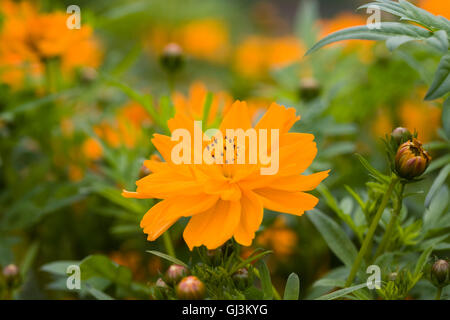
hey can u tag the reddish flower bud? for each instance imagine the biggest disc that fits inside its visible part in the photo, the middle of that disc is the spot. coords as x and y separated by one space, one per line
190 288
161 284
411 159
175 273
242 279
401 135
10 271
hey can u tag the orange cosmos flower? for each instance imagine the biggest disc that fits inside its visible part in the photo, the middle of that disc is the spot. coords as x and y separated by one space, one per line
227 200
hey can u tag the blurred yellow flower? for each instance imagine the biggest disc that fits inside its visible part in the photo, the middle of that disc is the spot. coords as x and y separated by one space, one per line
257 55
227 200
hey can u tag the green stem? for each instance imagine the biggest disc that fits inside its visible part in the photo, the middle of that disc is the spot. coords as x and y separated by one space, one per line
438 294
168 244
369 237
390 228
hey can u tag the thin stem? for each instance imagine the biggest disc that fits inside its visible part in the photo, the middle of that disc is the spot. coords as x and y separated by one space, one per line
390 228
168 244
438 294
369 237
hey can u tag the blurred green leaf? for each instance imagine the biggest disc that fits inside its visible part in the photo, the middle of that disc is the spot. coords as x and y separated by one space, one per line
292 290
334 236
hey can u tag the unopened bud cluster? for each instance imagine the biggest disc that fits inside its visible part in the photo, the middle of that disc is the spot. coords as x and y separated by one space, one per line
178 281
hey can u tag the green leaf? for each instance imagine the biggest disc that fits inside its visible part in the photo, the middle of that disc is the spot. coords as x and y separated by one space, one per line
441 83
422 261
102 267
29 258
99 295
334 236
439 40
206 109
266 282
385 32
434 213
167 257
342 292
58 267
249 260
305 21
374 172
292 290
438 182
446 117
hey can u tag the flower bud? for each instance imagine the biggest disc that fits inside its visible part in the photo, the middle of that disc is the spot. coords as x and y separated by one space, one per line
144 171
175 273
161 284
310 89
411 160
401 135
242 279
440 273
10 271
172 59
392 276
190 288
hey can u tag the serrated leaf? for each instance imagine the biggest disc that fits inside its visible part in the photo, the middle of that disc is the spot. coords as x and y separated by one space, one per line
441 82
292 290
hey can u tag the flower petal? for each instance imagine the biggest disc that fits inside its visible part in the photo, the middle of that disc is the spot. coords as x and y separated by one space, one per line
300 183
251 218
213 227
288 202
165 213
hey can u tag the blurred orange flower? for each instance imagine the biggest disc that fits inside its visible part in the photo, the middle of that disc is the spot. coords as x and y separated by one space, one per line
227 200
206 39
421 116
343 21
29 38
416 115
279 238
257 55
437 7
